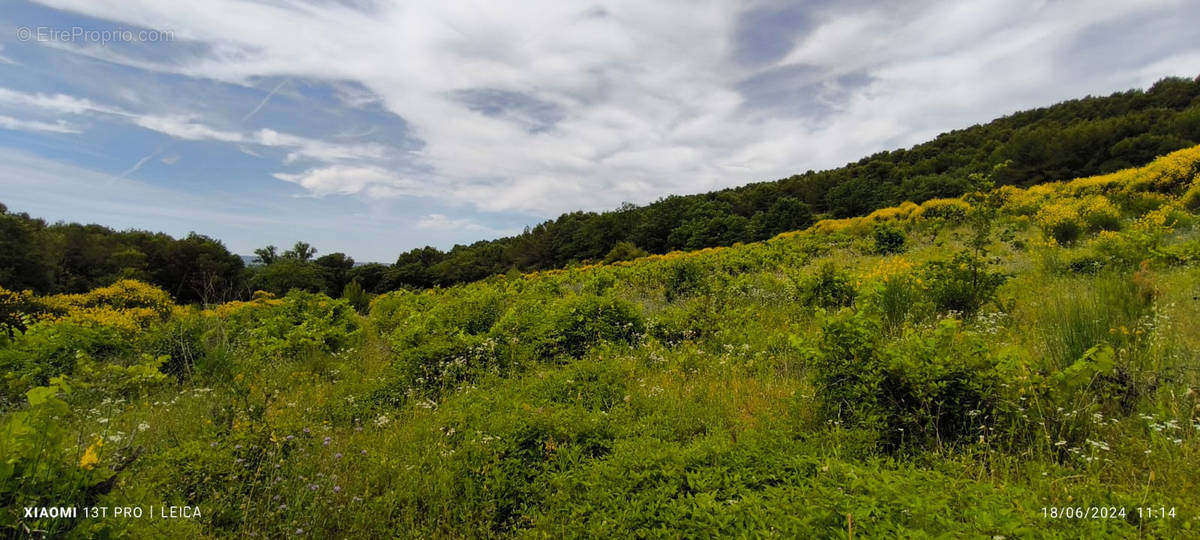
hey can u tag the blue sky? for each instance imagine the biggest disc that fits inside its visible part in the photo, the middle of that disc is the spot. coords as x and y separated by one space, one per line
372 127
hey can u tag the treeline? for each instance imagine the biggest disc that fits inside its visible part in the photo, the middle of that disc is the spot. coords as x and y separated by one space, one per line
53 258
1075 138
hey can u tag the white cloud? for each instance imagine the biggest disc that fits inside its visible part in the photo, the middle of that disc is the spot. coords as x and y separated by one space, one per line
59 103
350 180
442 222
647 94
8 122
187 128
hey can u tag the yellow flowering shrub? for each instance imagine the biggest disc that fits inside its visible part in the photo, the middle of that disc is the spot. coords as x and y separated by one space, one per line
1098 185
888 269
1191 199
1172 173
1025 202
261 299
1066 219
948 209
1160 220
893 213
125 305
855 225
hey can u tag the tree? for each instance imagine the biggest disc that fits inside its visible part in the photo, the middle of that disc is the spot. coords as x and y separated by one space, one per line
336 267
624 251
287 274
302 252
266 255
21 266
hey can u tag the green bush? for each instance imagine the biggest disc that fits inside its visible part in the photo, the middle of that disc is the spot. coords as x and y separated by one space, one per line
928 388
43 465
584 321
686 278
50 349
302 325
829 288
962 284
888 238
684 321
358 298
897 300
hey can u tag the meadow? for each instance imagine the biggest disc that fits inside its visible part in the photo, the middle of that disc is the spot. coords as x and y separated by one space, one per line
1014 363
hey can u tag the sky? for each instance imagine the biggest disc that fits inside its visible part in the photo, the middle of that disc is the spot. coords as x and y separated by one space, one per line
372 127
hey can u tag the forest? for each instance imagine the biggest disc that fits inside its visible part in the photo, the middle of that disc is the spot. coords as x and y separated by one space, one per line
1016 361
1082 137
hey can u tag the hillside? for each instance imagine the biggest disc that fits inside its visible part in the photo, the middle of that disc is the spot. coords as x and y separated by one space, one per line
982 366
1082 137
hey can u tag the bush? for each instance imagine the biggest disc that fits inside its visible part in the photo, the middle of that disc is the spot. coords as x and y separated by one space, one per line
888 238
358 298
829 288
685 321
686 278
898 298
301 325
1067 219
962 284
950 210
585 321
50 349
929 388
624 251
44 467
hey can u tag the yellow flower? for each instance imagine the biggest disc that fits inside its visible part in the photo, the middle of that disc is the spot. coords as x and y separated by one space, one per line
91 456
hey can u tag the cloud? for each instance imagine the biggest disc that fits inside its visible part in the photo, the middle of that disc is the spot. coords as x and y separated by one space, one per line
350 180
59 103
187 128
8 122
444 223
544 107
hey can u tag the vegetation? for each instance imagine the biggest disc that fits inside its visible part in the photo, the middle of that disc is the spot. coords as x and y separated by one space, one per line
1083 137
971 381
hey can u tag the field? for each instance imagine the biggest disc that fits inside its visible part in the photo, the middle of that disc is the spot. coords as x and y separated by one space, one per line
1015 363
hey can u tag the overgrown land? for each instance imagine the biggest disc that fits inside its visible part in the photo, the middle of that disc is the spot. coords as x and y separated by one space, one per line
982 366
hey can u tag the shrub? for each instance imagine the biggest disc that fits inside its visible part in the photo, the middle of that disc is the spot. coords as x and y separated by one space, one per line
1067 219
358 298
1191 199
686 278
688 320
301 325
929 388
962 284
951 210
829 288
441 363
624 251
50 349
895 294
888 238
584 321
44 467
1086 264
